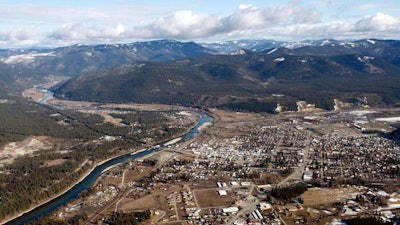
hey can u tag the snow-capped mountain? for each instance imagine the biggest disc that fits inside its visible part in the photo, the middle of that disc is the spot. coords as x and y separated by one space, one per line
20 67
251 45
78 59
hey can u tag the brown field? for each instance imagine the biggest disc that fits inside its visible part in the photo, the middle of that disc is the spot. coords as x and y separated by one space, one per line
227 121
145 202
211 198
33 94
186 157
316 196
125 106
231 116
137 173
155 200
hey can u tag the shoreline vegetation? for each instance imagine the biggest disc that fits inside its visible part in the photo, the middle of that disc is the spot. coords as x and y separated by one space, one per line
86 174
67 189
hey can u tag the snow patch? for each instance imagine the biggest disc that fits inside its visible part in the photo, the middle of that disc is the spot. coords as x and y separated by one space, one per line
272 51
238 52
371 41
348 43
360 113
336 222
360 121
25 58
365 58
368 58
296 45
393 206
325 42
280 59
382 193
389 119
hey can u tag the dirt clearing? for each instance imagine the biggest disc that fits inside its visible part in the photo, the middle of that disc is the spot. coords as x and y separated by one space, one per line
315 196
211 198
30 145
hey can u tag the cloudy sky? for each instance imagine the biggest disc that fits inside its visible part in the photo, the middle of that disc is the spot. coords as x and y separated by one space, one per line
48 23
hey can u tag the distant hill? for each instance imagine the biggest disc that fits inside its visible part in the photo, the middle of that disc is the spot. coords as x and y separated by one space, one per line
360 72
251 45
244 75
22 67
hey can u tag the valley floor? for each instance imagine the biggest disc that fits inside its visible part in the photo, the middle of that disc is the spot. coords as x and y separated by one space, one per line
226 174
248 167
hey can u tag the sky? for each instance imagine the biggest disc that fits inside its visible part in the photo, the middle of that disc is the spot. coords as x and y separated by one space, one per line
49 23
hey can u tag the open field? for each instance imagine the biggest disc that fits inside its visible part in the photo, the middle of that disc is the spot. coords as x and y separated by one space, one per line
136 173
226 122
33 94
211 198
315 196
155 200
30 145
231 116
132 106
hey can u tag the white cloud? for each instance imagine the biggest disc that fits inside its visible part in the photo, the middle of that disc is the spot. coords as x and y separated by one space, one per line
187 24
378 22
337 27
41 25
248 16
28 36
83 32
182 24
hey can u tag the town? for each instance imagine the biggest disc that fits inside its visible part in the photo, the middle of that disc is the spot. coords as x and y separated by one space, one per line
247 168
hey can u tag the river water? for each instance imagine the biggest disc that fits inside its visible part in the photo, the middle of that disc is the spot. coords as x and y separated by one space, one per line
49 94
94 175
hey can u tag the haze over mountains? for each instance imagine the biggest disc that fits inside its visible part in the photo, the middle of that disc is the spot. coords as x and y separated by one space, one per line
243 75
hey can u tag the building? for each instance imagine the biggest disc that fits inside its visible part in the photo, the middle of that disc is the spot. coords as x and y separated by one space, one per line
230 210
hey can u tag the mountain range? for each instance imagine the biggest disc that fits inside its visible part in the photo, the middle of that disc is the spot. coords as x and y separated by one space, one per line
23 67
241 75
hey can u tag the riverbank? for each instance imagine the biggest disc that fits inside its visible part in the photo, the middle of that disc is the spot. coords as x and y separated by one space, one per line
204 126
54 202
61 193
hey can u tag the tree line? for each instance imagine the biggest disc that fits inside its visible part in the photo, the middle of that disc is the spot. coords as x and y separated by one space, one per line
29 180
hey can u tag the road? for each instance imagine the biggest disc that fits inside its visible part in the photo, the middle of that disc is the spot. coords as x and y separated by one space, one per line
102 210
298 172
296 175
248 205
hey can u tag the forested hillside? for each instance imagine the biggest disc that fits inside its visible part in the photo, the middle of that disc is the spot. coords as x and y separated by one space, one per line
21 68
70 143
254 81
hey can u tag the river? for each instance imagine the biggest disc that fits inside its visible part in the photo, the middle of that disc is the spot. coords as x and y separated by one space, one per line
49 94
90 179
